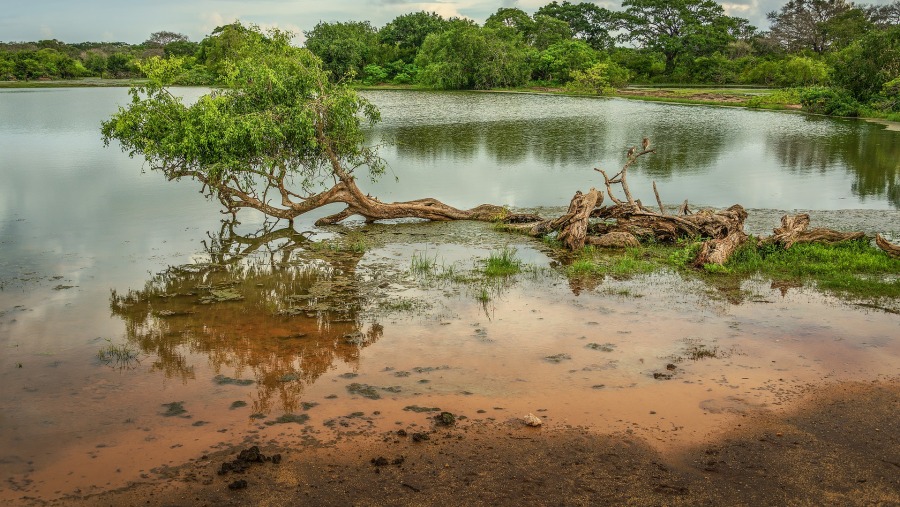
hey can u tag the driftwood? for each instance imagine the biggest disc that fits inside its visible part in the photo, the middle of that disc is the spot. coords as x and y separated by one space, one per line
794 230
888 247
625 221
622 223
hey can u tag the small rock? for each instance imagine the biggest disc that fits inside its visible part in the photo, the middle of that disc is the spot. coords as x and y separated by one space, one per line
532 420
238 484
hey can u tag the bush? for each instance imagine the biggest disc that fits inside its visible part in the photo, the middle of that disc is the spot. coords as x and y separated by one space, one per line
603 78
830 101
374 74
790 72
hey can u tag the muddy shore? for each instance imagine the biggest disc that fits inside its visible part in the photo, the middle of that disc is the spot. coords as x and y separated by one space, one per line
840 445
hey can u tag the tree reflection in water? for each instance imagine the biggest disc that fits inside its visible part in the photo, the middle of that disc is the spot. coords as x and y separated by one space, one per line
870 153
273 306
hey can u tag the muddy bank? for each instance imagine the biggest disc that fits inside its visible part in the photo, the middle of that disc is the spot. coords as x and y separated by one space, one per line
840 447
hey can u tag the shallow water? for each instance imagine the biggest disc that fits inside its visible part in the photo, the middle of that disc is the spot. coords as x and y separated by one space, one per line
94 253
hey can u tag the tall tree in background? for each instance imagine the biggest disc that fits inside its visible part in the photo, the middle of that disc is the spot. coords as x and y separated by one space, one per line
588 22
884 16
679 27
804 24
468 56
164 38
407 32
345 48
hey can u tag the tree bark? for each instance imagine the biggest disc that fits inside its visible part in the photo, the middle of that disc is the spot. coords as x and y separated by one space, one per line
888 247
793 230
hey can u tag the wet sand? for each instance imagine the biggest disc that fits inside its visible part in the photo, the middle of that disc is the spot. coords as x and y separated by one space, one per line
839 446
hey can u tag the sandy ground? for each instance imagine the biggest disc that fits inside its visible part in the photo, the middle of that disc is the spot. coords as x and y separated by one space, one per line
841 446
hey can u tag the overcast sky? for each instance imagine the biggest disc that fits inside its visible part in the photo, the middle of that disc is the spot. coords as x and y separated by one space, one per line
133 21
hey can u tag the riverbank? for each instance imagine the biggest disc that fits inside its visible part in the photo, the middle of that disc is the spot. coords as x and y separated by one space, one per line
839 446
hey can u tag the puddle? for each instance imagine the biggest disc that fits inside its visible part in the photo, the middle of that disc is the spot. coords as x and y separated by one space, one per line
319 343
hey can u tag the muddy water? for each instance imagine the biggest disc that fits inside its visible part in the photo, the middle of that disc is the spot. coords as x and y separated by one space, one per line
318 344
233 337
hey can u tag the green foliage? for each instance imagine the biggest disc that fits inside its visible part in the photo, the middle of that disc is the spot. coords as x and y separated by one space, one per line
712 69
793 71
374 74
344 48
547 31
807 24
278 120
407 32
558 62
587 21
865 66
775 100
593 262
681 27
601 79
466 57
830 101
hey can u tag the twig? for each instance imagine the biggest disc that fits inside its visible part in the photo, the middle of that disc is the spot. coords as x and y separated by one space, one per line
658 200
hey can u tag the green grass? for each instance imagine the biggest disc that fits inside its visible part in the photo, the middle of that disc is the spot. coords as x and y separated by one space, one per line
502 263
618 264
422 265
121 355
854 269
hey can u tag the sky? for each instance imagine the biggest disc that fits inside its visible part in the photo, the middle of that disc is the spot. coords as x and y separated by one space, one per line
133 21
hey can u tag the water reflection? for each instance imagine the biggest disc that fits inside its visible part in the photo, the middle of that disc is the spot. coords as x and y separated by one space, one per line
528 150
872 155
273 307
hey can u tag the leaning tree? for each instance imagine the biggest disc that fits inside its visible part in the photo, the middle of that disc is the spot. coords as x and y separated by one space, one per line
279 137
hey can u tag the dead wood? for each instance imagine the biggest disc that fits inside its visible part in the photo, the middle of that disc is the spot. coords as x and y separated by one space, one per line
793 230
613 240
888 247
718 251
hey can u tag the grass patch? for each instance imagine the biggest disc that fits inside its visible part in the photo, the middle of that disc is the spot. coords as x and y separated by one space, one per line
422 265
121 355
502 263
854 268
618 264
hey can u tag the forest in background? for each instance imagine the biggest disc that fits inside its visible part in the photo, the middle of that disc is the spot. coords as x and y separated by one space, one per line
833 57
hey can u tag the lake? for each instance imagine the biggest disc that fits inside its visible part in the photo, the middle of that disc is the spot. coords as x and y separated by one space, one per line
139 330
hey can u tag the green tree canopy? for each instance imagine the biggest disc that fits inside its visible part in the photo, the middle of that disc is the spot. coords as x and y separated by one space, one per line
279 138
344 48
865 66
680 27
407 32
468 56
587 21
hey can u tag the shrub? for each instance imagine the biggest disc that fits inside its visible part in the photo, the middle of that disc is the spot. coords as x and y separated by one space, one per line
830 101
601 79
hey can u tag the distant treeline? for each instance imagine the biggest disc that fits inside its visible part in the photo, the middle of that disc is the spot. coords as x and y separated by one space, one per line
845 56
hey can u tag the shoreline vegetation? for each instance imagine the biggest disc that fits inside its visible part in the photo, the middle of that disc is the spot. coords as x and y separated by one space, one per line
769 99
844 64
